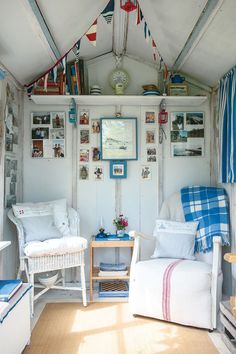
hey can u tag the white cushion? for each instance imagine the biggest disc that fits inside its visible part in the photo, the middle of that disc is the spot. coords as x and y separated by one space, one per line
69 244
190 280
39 228
175 239
57 209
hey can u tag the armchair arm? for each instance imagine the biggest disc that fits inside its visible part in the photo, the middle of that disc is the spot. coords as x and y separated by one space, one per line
216 269
136 251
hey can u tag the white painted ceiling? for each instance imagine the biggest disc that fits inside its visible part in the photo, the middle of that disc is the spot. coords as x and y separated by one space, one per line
25 52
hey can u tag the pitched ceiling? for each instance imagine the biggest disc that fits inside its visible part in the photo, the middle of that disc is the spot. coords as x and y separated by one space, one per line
194 36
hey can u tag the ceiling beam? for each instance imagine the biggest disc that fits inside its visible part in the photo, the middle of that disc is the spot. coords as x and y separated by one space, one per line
207 15
41 29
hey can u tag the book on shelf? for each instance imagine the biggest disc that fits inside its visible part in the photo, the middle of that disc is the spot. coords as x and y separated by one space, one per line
112 273
52 88
112 266
8 288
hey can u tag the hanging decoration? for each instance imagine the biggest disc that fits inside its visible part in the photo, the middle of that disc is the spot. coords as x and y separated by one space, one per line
76 50
92 33
108 12
58 77
128 5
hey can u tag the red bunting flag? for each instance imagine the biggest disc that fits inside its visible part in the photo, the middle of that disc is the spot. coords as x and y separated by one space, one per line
92 33
155 52
138 15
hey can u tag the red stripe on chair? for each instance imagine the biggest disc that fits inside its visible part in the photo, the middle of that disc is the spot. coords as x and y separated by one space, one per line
166 291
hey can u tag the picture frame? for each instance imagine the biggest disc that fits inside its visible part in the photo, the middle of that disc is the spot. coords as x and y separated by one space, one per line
119 139
118 169
177 90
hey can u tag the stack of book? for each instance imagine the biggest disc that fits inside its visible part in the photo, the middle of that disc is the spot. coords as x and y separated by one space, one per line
8 288
112 269
51 88
76 78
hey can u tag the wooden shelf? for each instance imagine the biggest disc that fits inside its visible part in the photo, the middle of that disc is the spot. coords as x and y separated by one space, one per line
95 276
128 100
4 244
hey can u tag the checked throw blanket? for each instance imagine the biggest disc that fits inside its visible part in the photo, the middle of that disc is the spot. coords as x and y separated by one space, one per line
209 206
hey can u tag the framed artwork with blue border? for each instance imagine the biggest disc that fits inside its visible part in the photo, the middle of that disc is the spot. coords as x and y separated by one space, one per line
118 169
119 139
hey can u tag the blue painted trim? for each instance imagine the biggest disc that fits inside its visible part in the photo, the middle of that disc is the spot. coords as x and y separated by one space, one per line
23 294
118 162
136 133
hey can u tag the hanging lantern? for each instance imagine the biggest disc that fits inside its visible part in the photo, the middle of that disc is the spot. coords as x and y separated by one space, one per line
128 5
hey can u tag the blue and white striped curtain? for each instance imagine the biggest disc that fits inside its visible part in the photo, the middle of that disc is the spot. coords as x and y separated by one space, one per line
227 127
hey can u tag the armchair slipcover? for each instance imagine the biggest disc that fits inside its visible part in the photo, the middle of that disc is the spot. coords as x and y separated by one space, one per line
182 291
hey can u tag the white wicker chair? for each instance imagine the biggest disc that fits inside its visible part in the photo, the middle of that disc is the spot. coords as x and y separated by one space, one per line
47 263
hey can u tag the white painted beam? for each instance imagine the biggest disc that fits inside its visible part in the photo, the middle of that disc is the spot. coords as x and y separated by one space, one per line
206 17
40 28
120 30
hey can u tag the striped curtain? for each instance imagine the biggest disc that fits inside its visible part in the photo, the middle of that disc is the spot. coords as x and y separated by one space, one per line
227 127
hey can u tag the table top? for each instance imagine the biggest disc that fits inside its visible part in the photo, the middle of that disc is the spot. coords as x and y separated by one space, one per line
230 257
112 241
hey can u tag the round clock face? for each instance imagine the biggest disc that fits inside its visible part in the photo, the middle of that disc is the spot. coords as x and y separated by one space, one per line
119 76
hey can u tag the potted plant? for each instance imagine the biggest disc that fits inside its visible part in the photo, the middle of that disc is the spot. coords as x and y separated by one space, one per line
121 222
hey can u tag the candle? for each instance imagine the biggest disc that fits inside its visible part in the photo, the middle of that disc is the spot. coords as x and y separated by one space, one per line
101 222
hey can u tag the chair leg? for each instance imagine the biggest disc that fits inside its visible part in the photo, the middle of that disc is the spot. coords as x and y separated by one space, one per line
83 284
31 279
63 273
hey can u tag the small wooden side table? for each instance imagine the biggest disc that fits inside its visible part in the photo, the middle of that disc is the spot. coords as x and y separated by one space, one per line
106 244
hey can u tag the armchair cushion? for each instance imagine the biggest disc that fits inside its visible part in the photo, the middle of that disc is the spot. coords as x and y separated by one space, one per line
175 239
40 228
55 246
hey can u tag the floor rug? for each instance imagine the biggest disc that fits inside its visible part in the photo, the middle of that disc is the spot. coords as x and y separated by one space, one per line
109 328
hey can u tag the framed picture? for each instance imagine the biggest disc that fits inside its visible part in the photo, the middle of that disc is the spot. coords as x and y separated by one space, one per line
118 169
177 90
146 173
119 139
150 117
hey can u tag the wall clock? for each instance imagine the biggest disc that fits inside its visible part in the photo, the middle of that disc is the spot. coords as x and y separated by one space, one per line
119 80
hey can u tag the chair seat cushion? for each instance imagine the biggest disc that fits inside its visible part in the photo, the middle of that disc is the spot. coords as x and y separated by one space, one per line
68 244
173 290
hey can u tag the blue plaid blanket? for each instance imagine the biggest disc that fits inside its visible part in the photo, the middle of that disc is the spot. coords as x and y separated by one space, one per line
209 206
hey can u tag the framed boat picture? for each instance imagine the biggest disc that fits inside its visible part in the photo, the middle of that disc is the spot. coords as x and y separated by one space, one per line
119 139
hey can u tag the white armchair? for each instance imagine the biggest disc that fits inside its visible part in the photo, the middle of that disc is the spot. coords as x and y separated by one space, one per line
187 291
51 254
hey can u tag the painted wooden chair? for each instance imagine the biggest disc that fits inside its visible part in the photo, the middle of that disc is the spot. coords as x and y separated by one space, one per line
50 255
187 291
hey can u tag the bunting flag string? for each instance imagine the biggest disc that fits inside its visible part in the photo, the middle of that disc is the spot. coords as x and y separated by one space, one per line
108 12
154 48
92 33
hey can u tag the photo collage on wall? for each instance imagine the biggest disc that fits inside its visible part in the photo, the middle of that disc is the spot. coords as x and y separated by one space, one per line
187 134
11 146
89 149
150 138
48 134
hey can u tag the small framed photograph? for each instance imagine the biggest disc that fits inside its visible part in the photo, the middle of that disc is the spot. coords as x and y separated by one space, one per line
84 136
58 119
37 148
41 118
58 146
40 133
146 173
84 118
98 173
84 155
150 117
84 172
96 156
151 154
179 136
150 137
118 169
57 133
195 148
177 120
95 126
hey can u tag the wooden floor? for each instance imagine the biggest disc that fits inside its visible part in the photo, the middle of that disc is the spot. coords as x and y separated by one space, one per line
108 328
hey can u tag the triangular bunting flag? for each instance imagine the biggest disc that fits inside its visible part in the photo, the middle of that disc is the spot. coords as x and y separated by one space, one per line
138 15
55 73
64 64
30 90
141 15
108 12
46 82
92 33
155 52
147 33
